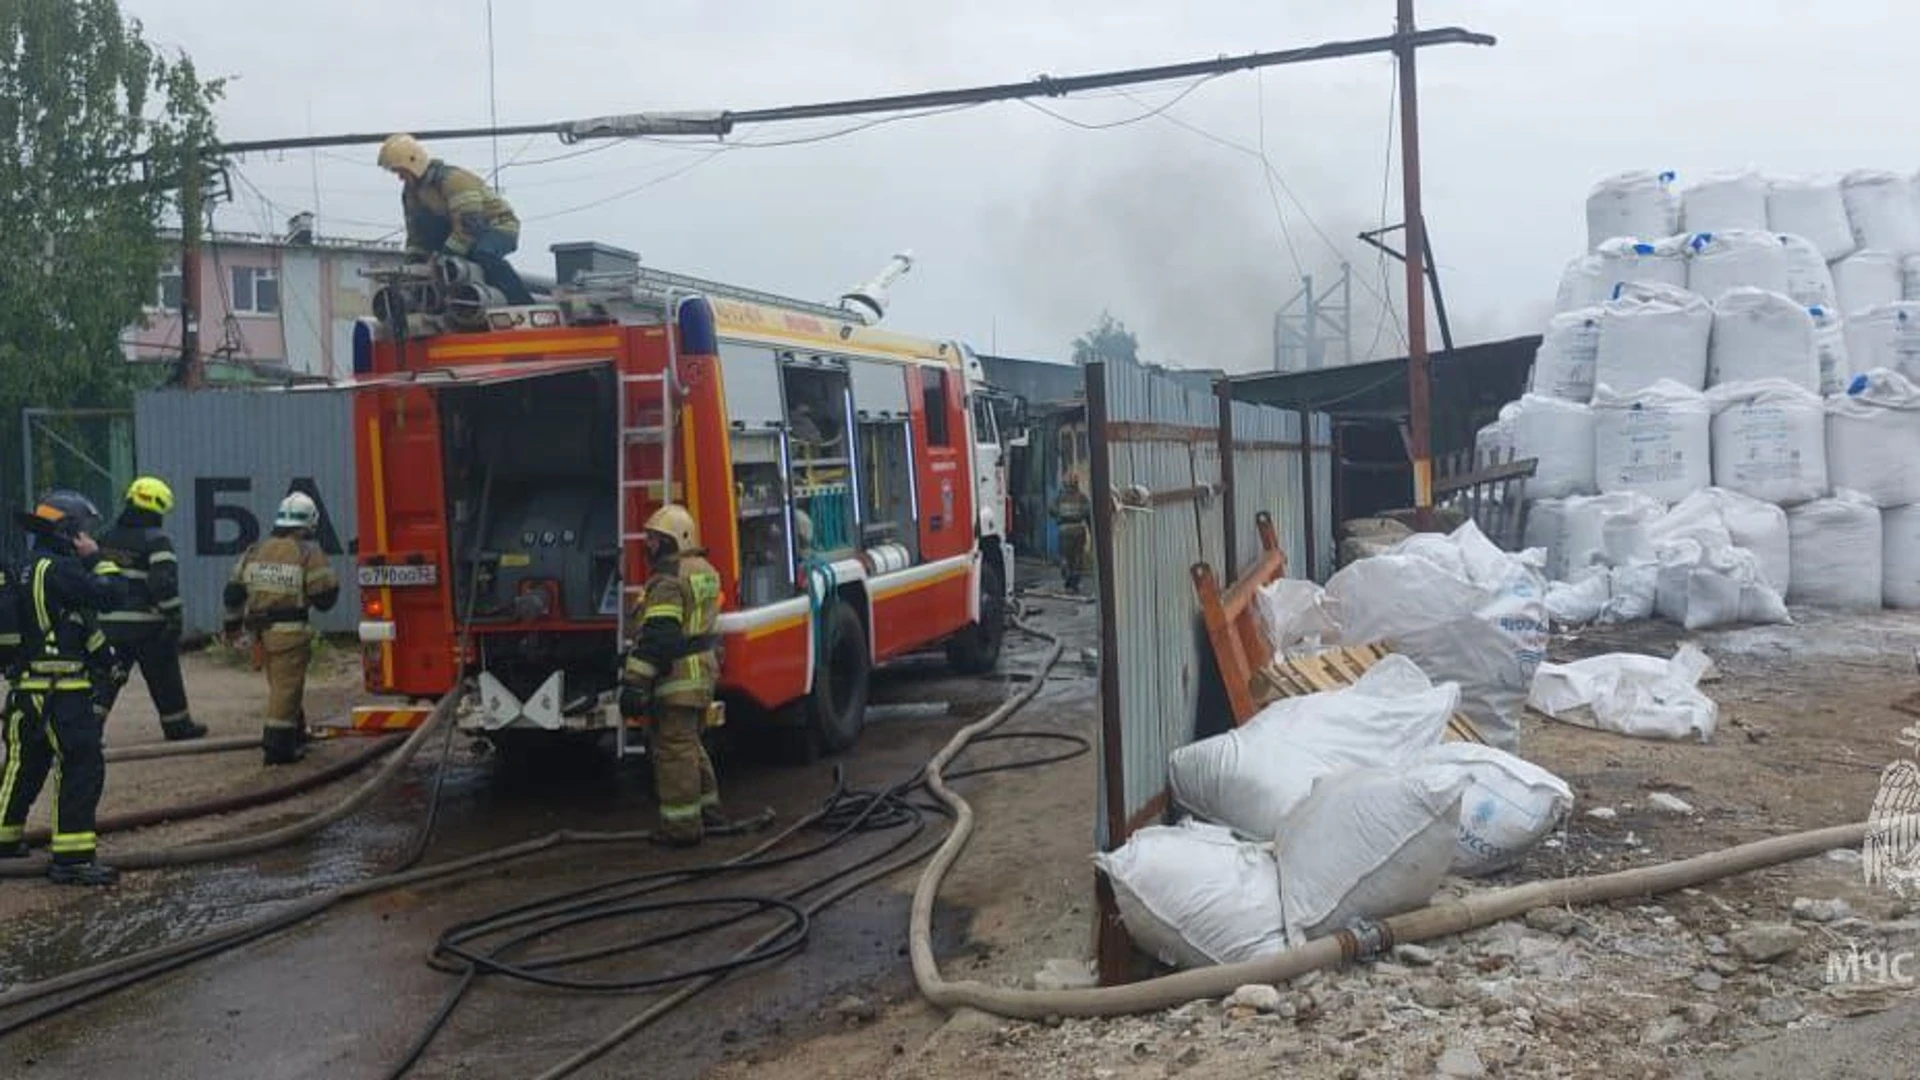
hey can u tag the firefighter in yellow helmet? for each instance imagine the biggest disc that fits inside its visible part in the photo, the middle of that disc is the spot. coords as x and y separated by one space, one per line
670 670
275 583
145 632
449 209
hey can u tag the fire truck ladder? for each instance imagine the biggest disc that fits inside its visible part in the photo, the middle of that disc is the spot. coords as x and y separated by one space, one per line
647 405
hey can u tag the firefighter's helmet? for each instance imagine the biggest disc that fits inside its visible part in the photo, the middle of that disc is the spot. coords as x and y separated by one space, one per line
297 511
62 513
404 153
150 493
673 522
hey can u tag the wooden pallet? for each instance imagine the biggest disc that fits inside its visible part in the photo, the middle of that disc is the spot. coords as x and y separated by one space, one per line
1335 669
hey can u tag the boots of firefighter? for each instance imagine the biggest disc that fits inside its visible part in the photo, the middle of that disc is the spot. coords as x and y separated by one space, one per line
680 773
280 744
182 728
88 871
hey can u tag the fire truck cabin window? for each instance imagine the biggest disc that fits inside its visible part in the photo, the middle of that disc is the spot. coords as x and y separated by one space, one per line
883 457
933 387
820 439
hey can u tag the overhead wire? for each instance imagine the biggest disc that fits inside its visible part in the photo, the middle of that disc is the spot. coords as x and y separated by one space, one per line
1148 115
1387 310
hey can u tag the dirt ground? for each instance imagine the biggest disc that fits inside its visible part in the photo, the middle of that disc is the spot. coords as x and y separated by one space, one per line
1655 988
1671 986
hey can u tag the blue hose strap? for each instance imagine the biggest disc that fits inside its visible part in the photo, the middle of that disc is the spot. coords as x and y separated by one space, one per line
823 590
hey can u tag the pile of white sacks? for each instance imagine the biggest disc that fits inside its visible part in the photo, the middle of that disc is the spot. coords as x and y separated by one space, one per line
1724 406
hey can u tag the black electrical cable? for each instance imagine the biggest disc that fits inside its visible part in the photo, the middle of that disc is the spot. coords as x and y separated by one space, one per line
844 814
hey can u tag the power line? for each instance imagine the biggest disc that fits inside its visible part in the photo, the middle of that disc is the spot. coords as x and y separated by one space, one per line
1386 185
1148 115
722 122
635 190
1273 195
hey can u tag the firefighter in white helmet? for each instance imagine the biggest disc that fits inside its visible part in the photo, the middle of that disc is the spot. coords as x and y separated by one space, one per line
274 585
670 670
450 209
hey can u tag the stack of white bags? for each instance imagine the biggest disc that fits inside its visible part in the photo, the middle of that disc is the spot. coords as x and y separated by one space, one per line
1744 349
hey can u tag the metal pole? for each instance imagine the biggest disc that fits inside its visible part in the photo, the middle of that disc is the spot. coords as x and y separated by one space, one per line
1346 313
1112 945
192 375
1312 572
1439 301
1229 521
1418 404
1312 334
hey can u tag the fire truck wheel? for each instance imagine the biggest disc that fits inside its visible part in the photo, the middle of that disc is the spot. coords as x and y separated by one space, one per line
837 707
976 650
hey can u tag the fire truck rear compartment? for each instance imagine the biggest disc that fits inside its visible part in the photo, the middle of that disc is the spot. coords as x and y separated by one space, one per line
532 525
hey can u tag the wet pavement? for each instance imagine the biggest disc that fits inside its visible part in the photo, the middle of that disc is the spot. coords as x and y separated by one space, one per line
343 995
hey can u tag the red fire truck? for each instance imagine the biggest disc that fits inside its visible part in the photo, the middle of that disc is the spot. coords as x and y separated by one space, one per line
847 482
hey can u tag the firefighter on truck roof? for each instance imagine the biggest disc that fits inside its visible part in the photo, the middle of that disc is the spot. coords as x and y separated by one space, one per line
62 680
449 209
670 671
146 632
275 583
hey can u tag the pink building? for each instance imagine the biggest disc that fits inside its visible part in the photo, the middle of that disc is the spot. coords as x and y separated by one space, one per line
281 304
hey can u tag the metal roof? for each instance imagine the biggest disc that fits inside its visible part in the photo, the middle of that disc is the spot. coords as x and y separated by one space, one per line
1379 387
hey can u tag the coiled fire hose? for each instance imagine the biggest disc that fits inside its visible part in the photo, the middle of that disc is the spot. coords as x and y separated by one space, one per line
1438 920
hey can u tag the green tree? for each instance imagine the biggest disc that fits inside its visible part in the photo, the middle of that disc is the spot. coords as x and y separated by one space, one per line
1110 341
98 124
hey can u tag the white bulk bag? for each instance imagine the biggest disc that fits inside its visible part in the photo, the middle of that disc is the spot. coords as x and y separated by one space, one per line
1461 609
1559 433
1511 806
1837 557
1547 531
1867 279
1910 278
1635 203
1194 896
1830 350
1769 440
1761 335
1873 438
1733 200
1626 261
1717 516
1642 696
1813 209
1809 278
1563 364
1367 844
1651 333
1582 284
1599 530
1900 557
1656 441
1886 337
1718 262
1495 441
1880 208
1251 777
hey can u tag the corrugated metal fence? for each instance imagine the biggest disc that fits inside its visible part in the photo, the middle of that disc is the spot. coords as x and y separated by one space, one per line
230 456
1163 502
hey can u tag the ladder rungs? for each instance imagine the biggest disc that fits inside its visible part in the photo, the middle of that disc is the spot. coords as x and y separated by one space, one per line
642 378
655 432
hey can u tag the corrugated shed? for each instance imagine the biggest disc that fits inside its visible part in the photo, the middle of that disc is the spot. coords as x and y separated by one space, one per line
230 455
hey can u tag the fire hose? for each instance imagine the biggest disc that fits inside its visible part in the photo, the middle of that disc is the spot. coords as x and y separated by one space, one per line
252 845
1345 946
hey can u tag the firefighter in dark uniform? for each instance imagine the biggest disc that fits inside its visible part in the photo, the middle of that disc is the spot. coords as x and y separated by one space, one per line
450 209
146 632
670 672
273 586
62 681
1072 510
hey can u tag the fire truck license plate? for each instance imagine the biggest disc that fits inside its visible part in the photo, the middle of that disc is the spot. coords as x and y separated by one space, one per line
380 577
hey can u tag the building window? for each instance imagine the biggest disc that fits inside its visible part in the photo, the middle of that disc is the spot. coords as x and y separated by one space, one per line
933 391
256 290
166 296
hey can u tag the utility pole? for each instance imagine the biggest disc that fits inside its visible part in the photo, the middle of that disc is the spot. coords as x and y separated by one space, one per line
1419 446
1311 320
192 374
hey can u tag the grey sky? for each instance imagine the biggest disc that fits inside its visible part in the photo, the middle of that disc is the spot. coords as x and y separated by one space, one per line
1025 226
